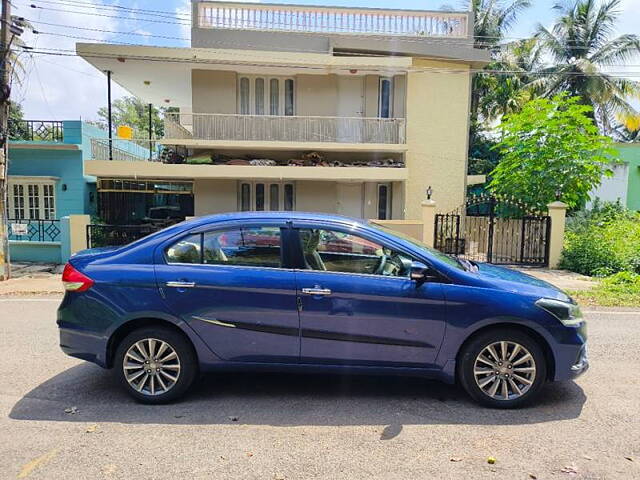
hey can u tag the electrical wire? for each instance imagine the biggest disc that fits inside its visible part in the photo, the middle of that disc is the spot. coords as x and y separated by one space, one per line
70 53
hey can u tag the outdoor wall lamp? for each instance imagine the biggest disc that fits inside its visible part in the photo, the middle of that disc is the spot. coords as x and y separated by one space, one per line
429 192
64 187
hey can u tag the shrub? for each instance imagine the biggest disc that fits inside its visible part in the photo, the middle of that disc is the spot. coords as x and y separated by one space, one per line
603 242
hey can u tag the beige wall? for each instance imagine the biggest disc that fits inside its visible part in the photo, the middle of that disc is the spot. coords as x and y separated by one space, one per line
213 91
316 95
215 196
316 197
437 134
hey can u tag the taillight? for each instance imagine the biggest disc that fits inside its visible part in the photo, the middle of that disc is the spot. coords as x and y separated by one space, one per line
74 281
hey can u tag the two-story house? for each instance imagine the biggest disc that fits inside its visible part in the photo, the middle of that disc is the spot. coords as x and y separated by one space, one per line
284 107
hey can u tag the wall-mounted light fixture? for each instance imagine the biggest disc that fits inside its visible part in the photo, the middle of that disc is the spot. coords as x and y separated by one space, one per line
429 192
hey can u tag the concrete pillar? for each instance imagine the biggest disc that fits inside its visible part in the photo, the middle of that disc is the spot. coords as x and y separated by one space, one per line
558 213
73 235
428 221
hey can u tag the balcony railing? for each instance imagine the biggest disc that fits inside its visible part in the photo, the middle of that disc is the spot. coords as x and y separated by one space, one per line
124 150
297 18
36 130
207 126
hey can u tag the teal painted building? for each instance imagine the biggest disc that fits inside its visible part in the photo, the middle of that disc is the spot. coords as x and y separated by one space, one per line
46 183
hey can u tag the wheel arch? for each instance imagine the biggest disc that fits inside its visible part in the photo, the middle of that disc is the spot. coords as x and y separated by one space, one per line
539 338
133 324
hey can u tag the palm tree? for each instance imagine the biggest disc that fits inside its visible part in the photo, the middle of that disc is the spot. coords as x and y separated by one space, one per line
492 21
581 47
628 127
509 91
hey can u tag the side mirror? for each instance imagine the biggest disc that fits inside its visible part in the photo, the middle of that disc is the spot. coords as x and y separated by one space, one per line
419 272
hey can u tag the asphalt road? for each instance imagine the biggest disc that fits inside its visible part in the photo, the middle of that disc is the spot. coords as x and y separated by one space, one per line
304 426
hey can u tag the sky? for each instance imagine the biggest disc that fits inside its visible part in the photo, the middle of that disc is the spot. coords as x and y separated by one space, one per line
68 88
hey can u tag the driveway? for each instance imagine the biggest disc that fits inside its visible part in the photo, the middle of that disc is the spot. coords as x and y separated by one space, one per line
63 418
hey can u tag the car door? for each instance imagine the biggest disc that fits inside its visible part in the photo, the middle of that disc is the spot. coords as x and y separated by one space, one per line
350 313
231 285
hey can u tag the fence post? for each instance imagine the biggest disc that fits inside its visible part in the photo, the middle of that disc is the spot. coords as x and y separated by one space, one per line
558 212
73 235
428 221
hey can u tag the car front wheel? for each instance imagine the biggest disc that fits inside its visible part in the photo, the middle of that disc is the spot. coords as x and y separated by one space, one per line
502 368
155 365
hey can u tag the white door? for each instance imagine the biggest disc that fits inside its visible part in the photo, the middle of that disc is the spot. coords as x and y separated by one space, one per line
350 199
351 106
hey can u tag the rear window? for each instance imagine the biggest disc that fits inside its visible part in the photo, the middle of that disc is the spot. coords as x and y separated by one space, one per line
250 246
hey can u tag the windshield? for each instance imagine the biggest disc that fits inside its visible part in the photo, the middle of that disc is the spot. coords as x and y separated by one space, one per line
430 251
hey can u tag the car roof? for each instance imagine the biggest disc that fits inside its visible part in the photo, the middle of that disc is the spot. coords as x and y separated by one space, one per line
240 216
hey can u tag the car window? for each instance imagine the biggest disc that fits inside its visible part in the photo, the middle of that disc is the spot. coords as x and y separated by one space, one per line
187 250
336 251
251 246
448 259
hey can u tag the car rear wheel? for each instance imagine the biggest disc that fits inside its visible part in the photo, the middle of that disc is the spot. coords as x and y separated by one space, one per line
502 368
155 365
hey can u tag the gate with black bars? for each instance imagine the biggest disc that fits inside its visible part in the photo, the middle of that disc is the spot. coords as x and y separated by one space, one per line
495 230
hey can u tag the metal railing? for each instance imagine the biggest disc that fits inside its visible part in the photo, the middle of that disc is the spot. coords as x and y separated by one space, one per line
36 130
367 21
205 126
117 235
124 150
33 230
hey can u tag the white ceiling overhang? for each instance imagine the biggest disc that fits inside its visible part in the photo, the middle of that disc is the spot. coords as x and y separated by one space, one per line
162 75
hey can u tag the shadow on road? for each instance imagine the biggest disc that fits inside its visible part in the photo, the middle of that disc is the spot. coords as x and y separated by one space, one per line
285 400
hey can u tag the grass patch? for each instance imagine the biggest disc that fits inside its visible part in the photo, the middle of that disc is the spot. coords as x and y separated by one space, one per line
619 290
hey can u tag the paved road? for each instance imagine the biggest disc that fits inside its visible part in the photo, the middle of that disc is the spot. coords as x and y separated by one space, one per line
295 427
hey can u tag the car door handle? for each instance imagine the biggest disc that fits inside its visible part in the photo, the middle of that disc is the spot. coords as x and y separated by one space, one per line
179 284
316 291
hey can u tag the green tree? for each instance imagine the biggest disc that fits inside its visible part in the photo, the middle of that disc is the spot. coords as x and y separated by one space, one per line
131 111
17 128
551 147
492 21
581 47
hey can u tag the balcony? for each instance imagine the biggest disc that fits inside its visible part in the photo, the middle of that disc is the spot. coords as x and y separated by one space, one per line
36 130
333 20
268 128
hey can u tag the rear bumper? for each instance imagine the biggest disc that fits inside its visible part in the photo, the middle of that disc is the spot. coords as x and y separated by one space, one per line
83 345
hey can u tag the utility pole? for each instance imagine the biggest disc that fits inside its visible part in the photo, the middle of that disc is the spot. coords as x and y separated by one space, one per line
5 76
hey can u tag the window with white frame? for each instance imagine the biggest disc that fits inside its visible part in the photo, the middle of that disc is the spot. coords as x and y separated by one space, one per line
261 196
266 95
385 97
32 200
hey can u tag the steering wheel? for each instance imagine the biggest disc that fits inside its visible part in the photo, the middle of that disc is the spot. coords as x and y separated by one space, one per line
379 270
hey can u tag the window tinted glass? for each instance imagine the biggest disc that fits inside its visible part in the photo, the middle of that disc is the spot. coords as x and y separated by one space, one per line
186 250
335 251
274 103
252 246
245 197
244 96
288 97
383 200
259 94
288 197
385 98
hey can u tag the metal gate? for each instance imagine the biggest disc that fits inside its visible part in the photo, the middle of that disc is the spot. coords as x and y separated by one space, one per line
494 230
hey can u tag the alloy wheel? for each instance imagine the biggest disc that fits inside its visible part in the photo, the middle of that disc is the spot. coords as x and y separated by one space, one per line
151 366
504 370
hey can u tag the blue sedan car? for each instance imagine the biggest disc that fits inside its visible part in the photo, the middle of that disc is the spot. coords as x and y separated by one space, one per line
300 291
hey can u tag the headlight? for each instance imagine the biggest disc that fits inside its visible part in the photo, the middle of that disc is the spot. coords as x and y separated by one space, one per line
568 313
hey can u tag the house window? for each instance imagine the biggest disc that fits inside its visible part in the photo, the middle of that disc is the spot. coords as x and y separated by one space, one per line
385 98
32 200
384 201
266 95
260 196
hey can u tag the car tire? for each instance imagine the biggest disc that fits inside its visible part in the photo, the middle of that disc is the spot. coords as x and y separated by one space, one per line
162 361
516 375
